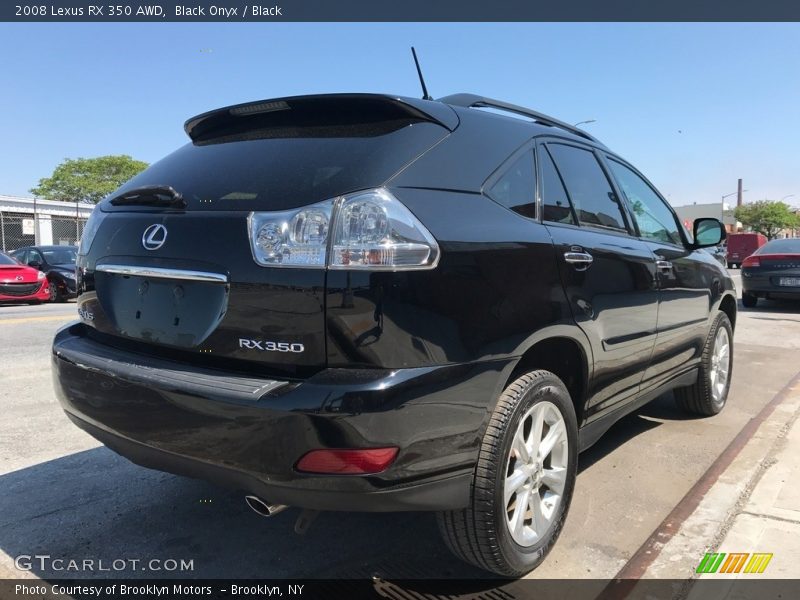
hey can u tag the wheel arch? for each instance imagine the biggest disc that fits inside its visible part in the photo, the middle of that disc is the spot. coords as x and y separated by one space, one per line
728 305
562 350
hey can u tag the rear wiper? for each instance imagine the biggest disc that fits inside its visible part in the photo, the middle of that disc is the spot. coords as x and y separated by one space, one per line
150 195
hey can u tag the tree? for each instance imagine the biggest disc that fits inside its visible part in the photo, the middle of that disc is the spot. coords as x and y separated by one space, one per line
767 216
88 179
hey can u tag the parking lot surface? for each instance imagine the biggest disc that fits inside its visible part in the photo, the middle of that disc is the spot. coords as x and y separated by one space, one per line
64 495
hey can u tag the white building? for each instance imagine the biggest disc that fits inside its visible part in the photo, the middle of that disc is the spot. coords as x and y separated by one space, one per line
31 221
718 210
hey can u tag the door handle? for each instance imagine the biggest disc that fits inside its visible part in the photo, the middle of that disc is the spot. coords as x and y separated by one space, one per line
663 265
580 260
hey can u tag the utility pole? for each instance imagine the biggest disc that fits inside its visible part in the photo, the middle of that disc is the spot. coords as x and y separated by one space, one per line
35 224
739 194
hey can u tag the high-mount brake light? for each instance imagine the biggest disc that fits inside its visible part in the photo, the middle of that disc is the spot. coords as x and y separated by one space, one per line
369 230
261 107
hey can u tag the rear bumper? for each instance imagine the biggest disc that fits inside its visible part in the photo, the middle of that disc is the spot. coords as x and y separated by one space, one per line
764 283
248 433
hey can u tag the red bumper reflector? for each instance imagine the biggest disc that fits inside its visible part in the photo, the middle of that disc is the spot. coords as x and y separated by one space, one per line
347 462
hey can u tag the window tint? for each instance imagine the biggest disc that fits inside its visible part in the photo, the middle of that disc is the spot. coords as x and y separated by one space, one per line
288 167
783 246
654 218
589 190
35 255
555 202
516 189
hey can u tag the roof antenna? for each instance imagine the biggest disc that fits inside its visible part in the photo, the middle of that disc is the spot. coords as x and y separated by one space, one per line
425 94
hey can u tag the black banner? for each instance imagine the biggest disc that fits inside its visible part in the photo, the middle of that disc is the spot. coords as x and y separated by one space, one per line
409 10
752 587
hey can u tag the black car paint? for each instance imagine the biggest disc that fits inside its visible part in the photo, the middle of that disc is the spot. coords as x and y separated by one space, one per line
415 359
62 276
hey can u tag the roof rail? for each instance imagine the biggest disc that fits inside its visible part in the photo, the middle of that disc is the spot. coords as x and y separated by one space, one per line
475 101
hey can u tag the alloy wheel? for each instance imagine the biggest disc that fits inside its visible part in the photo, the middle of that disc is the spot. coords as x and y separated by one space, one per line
720 365
536 473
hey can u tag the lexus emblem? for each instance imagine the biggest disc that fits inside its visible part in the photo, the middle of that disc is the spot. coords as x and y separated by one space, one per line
154 237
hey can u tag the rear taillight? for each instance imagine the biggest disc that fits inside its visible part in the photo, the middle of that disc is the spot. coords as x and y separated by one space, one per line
751 261
294 238
367 230
357 461
780 257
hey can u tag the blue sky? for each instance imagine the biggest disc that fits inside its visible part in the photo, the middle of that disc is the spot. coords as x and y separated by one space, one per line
694 106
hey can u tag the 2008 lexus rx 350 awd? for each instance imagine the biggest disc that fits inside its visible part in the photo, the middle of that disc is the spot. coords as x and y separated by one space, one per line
371 303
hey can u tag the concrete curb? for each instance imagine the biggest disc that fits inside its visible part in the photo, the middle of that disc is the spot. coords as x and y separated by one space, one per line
731 497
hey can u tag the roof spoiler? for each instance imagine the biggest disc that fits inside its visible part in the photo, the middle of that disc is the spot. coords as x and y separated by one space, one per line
378 104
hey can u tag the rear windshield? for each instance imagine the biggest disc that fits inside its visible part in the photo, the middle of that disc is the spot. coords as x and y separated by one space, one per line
278 169
785 246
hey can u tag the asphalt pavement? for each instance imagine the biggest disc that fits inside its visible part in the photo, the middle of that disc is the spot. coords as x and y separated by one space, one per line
64 495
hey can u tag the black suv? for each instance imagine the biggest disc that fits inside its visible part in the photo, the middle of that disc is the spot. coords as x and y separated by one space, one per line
370 303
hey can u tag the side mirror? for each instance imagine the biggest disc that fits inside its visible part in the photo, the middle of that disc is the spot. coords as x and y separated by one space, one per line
35 264
708 232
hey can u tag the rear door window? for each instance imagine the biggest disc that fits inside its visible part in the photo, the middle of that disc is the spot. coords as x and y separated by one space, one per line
591 194
555 202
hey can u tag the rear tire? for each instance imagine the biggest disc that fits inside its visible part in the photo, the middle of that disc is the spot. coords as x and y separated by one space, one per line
749 300
528 459
709 394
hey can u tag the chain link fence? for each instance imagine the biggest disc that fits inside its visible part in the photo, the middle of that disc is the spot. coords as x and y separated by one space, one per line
19 230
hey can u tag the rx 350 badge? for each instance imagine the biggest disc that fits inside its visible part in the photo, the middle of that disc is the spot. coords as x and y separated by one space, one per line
269 346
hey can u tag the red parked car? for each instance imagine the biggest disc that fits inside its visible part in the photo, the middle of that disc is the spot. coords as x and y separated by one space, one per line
742 245
20 283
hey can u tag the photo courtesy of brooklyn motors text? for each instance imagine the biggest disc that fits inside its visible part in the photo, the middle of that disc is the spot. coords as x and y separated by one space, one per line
358 299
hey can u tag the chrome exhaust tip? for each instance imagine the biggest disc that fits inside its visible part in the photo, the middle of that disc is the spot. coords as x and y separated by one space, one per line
262 508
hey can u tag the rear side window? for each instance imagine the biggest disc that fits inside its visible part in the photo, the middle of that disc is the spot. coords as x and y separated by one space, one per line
516 188
555 202
654 218
588 187
280 168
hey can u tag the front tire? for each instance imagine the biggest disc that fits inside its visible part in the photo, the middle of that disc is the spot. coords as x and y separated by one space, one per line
523 481
708 395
